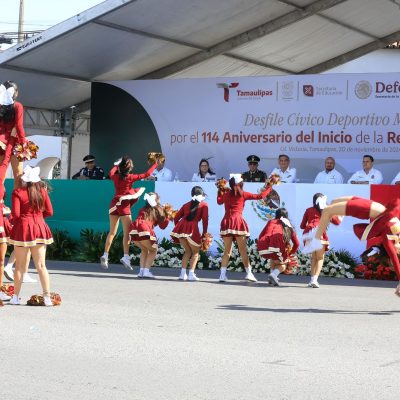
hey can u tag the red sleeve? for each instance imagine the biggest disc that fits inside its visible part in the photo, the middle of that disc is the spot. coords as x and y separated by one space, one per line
204 217
15 205
178 215
113 171
19 121
163 224
220 197
48 207
258 196
295 242
303 224
262 233
392 253
136 177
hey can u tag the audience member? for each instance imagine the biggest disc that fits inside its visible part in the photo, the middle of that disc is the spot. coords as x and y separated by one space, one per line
90 171
205 173
288 175
161 173
396 180
330 175
254 174
368 174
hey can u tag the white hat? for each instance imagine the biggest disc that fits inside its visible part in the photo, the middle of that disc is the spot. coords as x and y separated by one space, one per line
6 95
151 199
238 178
31 174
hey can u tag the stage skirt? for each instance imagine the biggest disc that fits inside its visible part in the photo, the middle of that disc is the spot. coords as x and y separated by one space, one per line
28 232
234 225
187 230
122 204
141 229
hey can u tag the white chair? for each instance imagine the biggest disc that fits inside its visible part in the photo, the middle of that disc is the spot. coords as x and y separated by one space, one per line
46 167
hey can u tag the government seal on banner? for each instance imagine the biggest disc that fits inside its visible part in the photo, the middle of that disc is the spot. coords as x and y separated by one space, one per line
266 208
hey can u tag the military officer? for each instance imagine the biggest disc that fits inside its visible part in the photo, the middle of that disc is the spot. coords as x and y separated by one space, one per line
254 174
90 171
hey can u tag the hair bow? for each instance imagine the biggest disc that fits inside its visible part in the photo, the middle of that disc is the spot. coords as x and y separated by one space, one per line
151 199
6 95
321 201
286 222
31 174
198 198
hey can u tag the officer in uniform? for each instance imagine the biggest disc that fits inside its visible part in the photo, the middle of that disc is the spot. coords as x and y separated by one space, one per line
254 174
90 171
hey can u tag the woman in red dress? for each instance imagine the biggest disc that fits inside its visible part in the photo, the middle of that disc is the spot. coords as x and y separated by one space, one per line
278 242
233 225
384 229
120 208
310 221
30 233
11 117
186 231
142 232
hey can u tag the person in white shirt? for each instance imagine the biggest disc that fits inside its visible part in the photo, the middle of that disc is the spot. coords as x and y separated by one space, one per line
288 175
205 173
368 174
396 180
330 175
161 173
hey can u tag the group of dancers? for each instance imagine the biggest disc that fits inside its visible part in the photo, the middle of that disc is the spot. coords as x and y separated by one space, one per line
277 242
26 229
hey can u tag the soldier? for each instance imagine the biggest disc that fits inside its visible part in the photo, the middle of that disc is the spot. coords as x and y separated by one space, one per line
254 174
90 171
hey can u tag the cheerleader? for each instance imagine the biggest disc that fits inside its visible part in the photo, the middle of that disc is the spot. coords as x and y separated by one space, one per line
30 233
142 232
309 222
278 242
233 225
383 230
186 231
120 208
11 117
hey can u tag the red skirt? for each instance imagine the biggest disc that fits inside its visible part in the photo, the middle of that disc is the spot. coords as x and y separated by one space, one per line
234 225
358 207
273 247
187 230
141 229
122 204
28 232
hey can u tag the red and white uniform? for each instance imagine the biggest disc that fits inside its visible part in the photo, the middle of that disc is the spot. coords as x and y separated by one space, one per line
29 227
125 195
311 220
384 230
7 127
189 229
233 223
271 243
143 229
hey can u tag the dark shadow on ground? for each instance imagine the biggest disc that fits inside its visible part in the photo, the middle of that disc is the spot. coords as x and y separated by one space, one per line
241 307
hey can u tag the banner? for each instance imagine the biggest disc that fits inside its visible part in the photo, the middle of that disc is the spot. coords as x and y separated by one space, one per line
308 117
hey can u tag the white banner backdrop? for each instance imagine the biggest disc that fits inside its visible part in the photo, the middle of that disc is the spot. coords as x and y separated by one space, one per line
295 198
307 117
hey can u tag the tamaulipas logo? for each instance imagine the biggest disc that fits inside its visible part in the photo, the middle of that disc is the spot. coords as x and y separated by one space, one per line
266 208
308 90
250 94
226 87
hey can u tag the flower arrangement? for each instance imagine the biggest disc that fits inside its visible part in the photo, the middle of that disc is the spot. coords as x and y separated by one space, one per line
25 151
375 267
37 300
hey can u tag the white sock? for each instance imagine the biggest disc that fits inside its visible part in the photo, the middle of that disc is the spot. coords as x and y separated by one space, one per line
314 278
248 270
183 271
105 255
141 270
191 273
146 270
223 271
126 255
275 272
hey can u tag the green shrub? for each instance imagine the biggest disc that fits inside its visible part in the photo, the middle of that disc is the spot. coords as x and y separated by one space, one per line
63 248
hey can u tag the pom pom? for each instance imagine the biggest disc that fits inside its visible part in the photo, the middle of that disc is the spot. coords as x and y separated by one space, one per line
273 179
7 289
25 151
38 300
153 157
169 211
206 241
221 185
